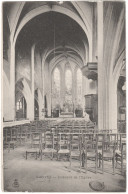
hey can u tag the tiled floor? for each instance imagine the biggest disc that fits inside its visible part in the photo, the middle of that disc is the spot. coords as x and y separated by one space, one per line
55 176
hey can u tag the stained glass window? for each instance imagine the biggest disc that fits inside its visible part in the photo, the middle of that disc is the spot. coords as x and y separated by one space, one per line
55 87
79 86
68 90
68 80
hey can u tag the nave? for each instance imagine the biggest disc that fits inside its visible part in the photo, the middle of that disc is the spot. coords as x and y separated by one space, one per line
64 96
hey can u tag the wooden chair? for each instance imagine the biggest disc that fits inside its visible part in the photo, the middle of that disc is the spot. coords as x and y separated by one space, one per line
49 144
34 129
24 133
90 150
9 138
35 149
63 145
33 152
100 139
75 129
120 155
35 143
75 148
35 135
67 129
108 152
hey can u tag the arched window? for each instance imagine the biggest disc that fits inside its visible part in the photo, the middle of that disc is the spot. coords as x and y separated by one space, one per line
68 80
68 87
57 81
79 86
19 105
55 87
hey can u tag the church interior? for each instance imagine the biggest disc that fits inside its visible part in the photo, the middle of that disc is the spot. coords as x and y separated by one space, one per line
64 96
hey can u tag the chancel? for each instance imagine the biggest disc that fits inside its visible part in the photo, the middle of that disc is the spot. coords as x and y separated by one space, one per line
64 96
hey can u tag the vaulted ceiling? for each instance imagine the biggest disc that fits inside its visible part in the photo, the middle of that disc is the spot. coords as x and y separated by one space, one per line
55 33
65 29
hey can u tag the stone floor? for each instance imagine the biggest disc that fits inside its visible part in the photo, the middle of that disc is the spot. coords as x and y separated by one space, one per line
54 176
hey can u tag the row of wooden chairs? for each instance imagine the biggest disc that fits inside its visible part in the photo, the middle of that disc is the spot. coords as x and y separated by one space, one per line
19 134
23 132
79 142
83 147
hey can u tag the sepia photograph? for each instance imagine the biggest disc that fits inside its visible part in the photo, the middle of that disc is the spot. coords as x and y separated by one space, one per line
63 96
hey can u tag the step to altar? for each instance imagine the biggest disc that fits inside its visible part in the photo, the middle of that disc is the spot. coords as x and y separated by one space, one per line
66 115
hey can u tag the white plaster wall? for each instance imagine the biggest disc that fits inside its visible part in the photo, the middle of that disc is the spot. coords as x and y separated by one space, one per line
7 107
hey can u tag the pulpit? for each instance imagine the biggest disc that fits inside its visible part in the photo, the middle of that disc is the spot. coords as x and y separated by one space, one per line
91 106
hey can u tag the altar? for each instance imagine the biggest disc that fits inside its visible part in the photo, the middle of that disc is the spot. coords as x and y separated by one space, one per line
67 111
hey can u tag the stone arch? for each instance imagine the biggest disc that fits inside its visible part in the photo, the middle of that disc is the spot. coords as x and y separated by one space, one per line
27 94
16 19
48 52
59 59
113 92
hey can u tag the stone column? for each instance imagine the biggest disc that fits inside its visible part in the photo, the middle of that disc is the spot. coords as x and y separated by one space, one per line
94 50
112 105
31 117
40 100
11 108
74 88
100 66
49 94
42 114
83 92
